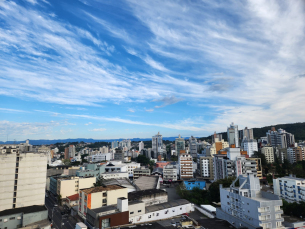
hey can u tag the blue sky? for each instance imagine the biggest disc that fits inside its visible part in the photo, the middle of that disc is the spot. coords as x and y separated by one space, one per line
124 69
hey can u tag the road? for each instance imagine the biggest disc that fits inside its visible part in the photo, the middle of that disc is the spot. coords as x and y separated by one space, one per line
59 221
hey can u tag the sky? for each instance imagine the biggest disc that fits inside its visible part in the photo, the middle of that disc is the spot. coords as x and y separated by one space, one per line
108 69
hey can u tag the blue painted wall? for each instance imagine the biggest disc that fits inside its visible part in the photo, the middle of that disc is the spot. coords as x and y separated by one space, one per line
189 185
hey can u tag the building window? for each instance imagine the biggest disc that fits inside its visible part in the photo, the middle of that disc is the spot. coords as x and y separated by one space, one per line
139 210
12 218
131 213
157 214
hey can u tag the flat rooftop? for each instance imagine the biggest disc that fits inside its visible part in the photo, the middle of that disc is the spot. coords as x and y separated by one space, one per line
146 182
214 223
25 210
136 195
166 205
102 188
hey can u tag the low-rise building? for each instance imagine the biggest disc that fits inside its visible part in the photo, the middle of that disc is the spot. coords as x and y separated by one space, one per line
149 196
141 172
147 182
290 188
72 201
100 157
162 164
68 186
114 175
170 173
35 215
132 166
92 169
247 206
97 197
111 167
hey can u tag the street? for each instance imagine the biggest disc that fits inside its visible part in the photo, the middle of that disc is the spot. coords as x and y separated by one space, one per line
58 219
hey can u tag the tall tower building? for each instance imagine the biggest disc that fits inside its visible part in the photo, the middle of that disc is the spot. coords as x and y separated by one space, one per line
232 132
246 133
71 151
22 178
179 145
193 146
157 144
141 146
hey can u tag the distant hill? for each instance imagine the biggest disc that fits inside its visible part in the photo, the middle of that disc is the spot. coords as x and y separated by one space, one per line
298 129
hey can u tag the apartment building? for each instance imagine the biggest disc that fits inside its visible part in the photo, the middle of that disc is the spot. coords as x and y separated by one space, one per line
89 170
206 167
119 155
193 146
100 157
179 145
185 166
157 145
142 171
247 206
249 145
68 186
290 188
101 196
132 166
232 134
259 168
22 177
170 173
295 154
268 152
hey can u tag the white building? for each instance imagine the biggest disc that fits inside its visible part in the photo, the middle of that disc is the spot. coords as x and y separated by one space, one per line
22 178
206 167
141 146
268 152
170 173
71 151
247 206
131 166
100 157
250 145
114 175
116 167
290 188
157 145
104 149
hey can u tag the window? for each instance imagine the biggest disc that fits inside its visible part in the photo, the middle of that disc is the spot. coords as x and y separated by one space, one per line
104 200
180 208
157 214
139 210
12 218
149 216
131 213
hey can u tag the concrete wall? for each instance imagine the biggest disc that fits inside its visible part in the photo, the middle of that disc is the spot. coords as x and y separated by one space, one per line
113 195
34 217
162 214
136 209
11 223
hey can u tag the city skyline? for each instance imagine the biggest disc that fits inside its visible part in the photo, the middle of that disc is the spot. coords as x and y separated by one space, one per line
128 69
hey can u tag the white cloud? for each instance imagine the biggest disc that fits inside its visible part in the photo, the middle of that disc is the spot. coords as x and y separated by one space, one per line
13 110
89 123
100 129
155 64
131 110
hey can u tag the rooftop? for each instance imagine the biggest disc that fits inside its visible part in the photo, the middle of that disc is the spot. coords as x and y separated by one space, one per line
25 210
136 195
73 197
146 182
105 208
166 205
102 188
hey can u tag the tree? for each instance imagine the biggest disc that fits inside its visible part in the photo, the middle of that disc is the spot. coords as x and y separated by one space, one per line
195 159
260 155
214 187
99 181
143 160
66 162
174 158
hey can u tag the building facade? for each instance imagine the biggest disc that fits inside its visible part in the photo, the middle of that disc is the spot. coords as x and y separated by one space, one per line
247 206
22 178
269 154
170 173
250 145
157 145
232 133
290 188
206 167
185 166
193 146
179 145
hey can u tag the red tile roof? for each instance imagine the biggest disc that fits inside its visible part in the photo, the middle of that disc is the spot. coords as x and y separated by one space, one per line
73 197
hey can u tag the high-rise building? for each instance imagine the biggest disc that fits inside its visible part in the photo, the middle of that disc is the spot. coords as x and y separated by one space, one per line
114 144
206 167
247 206
157 145
232 133
22 178
104 149
218 136
269 154
141 145
179 145
71 151
185 166
67 153
193 146
280 138
249 145
246 133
